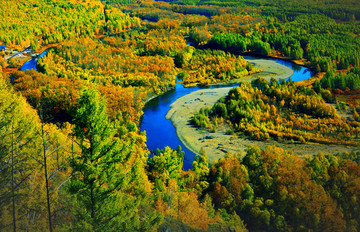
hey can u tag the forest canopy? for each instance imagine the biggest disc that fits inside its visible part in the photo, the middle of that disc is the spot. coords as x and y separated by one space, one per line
72 156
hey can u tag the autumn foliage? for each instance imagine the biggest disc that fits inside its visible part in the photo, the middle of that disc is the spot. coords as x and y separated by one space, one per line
279 111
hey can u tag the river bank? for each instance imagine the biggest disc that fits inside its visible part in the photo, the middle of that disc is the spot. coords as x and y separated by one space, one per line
217 144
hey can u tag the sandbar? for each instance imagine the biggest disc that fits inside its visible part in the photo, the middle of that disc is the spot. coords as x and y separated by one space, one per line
217 144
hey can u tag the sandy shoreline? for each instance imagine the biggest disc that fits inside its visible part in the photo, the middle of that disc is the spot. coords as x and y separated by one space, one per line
217 144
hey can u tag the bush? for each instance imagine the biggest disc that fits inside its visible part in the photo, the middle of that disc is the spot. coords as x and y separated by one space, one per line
326 95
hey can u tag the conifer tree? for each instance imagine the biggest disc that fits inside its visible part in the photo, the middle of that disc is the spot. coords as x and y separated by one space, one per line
101 172
16 126
201 169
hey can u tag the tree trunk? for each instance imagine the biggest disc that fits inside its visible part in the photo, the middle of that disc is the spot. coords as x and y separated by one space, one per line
92 201
46 177
13 178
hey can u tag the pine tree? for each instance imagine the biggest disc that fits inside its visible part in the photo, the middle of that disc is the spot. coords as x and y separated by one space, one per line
16 134
317 86
201 169
165 165
101 172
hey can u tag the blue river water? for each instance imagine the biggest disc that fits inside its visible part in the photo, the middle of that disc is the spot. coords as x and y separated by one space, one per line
31 64
300 73
160 131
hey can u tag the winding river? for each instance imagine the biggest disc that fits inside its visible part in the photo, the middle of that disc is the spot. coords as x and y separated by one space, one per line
160 131
31 64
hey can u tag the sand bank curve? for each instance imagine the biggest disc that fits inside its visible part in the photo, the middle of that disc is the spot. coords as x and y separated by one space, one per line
217 144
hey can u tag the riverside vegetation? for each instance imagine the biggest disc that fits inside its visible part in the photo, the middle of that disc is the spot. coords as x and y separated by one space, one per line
282 110
71 153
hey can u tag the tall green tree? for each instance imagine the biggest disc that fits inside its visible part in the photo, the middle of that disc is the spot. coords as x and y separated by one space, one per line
165 165
201 169
16 136
101 173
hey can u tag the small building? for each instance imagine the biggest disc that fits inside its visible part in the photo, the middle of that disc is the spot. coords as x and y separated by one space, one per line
2 48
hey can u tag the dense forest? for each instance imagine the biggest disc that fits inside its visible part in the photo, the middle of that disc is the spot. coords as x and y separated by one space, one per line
283 110
72 156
